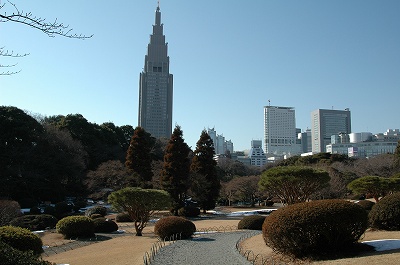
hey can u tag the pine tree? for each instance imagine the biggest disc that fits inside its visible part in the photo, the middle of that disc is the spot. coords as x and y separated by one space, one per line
205 182
138 158
176 169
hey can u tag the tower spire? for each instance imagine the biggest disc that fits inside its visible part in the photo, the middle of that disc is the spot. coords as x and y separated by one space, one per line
158 14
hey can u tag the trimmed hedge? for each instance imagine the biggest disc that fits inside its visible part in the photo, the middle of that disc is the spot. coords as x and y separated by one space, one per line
96 210
174 225
252 222
367 205
103 225
35 222
21 239
385 214
123 217
13 256
189 211
315 229
75 226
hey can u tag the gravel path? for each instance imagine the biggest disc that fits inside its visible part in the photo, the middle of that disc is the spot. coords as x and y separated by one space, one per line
207 249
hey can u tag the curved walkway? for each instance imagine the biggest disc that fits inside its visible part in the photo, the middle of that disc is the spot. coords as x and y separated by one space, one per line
207 249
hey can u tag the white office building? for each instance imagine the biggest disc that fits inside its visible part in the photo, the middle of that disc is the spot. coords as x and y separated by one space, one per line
256 155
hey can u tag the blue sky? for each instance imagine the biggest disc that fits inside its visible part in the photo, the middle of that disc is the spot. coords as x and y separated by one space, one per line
228 59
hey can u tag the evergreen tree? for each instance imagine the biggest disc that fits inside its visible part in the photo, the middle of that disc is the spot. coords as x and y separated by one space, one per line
138 158
176 169
205 183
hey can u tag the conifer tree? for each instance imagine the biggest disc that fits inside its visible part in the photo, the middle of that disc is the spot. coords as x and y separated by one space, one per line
176 169
138 158
205 182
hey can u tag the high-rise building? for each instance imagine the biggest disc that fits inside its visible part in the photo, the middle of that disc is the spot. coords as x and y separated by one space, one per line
221 146
156 85
280 131
325 123
256 154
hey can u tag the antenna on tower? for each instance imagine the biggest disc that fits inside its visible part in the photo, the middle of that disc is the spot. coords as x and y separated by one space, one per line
269 102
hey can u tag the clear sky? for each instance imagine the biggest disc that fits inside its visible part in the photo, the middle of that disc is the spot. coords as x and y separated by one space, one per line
228 59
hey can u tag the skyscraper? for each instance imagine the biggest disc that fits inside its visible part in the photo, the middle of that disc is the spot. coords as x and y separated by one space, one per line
156 85
280 131
325 123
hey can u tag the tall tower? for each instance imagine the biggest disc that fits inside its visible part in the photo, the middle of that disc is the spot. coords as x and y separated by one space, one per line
325 123
156 85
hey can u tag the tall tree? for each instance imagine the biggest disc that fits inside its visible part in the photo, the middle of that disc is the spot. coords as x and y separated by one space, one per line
293 184
205 185
176 169
375 186
138 158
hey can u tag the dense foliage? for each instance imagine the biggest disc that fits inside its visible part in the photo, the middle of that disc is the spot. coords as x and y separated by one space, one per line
140 204
21 239
315 229
123 217
252 222
374 186
103 225
365 204
35 222
189 211
13 256
75 226
385 214
8 211
98 209
174 226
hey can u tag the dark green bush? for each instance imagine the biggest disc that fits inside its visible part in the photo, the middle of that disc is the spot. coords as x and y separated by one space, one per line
385 214
96 210
252 222
35 222
62 209
367 205
189 211
75 226
21 239
315 229
35 210
96 215
103 225
123 217
174 225
13 256
51 210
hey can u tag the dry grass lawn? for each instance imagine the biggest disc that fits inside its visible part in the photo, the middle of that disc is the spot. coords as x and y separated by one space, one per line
130 249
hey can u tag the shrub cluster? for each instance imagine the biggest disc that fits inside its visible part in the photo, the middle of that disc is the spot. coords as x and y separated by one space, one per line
96 210
252 222
367 205
385 214
123 217
35 222
75 226
21 239
13 256
315 229
103 225
189 211
174 225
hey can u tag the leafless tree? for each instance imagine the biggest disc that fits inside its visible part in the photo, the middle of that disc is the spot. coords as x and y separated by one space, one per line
51 29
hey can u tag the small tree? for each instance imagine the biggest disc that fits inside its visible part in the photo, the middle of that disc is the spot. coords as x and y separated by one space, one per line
373 185
138 158
140 204
244 188
8 211
176 169
203 167
293 184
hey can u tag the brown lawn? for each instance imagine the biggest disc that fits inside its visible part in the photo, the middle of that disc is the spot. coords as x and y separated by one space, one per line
130 249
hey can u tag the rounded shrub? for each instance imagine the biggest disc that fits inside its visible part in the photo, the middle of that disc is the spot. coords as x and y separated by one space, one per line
35 222
252 222
35 210
103 225
75 226
170 226
96 215
315 229
21 239
385 214
96 210
366 204
189 211
13 256
123 217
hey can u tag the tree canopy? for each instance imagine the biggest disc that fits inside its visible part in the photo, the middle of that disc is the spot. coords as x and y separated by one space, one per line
374 186
293 184
140 204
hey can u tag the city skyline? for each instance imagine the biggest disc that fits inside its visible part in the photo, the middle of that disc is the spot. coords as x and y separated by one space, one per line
228 59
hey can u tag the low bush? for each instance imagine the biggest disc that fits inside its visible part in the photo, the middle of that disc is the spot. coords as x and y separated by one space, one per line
96 216
13 256
366 204
269 203
103 225
315 229
21 239
35 222
385 214
62 209
189 211
123 217
96 210
75 226
9 210
252 222
174 226
35 210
